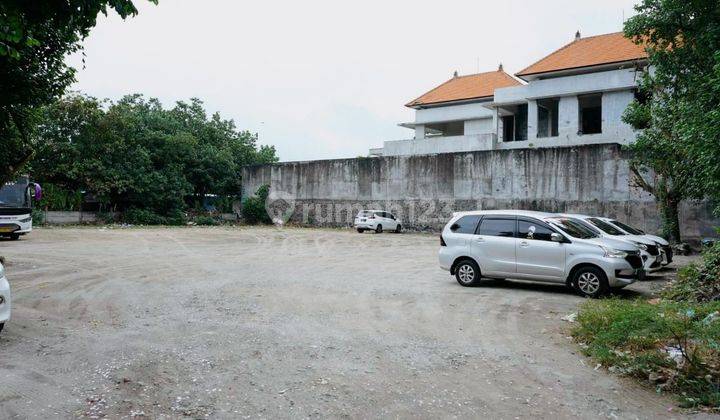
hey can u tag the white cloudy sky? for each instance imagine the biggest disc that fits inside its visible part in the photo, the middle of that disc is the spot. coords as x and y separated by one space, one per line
324 79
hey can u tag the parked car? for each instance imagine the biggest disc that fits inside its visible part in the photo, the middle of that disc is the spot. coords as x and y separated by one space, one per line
650 251
5 298
662 242
535 246
377 220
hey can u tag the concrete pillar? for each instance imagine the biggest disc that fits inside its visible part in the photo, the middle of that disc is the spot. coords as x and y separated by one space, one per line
419 132
532 120
568 116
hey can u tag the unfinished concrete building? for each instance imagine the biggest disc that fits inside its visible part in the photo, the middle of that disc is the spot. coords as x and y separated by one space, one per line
574 96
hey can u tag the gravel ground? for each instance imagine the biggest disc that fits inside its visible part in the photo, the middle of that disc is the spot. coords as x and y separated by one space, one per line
270 323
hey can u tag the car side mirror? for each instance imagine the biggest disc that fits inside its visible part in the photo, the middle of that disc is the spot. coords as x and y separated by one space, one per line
556 237
454 227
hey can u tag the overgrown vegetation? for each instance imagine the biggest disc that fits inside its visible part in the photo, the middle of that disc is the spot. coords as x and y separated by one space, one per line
672 343
253 209
135 156
698 282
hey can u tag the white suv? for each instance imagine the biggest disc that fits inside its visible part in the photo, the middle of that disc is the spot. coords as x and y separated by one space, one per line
536 246
665 248
4 298
376 220
650 252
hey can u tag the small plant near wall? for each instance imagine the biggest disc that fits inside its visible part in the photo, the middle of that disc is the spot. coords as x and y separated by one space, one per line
253 208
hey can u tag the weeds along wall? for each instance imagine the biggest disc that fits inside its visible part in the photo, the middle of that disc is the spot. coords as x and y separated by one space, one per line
424 190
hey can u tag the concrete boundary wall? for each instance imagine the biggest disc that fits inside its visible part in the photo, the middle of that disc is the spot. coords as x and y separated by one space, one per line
424 190
76 217
69 217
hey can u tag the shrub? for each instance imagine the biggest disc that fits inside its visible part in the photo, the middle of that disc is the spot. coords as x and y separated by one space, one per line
175 218
136 216
698 282
253 209
204 220
60 199
105 217
673 345
38 217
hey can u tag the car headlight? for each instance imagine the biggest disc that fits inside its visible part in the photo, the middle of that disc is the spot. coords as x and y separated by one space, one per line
641 246
25 220
613 253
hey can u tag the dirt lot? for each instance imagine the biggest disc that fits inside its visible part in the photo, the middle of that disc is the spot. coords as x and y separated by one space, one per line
236 322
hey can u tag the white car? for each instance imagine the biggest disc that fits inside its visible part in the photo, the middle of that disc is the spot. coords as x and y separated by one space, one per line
5 298
12 226
649 250
535 246
377 220
665 247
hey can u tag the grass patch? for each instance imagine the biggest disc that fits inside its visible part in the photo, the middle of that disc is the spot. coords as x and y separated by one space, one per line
670 345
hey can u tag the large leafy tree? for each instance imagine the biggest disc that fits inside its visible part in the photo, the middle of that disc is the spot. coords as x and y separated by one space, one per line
135 153
677 153
35 38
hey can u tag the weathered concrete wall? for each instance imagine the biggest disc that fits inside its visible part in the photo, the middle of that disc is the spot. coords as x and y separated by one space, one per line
76 218
69 217
425 190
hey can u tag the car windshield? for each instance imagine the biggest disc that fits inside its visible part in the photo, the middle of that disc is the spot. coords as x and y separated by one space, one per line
14 194
628 229
572 227
605 226
365 213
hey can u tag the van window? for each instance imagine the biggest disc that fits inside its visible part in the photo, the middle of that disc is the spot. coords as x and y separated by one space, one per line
629 229
497 227
572 227
531 230
605 227
466 224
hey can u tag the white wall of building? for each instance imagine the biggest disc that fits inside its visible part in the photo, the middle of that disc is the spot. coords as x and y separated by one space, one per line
452 113
479 126
483 129
613 107
568 85
434 145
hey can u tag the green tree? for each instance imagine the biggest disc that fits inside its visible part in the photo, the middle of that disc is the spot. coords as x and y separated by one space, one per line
136 154
677 153
35 38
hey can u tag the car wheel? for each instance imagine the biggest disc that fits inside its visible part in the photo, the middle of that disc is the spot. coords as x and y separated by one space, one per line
361 230
467 273
378 229
398 229
15 236
2 325
590 282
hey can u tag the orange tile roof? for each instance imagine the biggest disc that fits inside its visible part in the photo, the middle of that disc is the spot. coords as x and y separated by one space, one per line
590 51
473 86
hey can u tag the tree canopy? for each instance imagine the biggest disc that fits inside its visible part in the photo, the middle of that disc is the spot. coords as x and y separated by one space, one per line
35 38
135 154
678 108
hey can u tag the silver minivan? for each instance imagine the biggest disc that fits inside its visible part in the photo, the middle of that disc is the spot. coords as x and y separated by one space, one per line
536 246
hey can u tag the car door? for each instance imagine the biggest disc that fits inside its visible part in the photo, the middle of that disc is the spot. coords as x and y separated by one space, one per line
381 220
461 232
392 221
494 245
538 257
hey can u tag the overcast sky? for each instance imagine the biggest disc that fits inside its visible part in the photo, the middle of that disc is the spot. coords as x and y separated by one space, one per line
324 79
